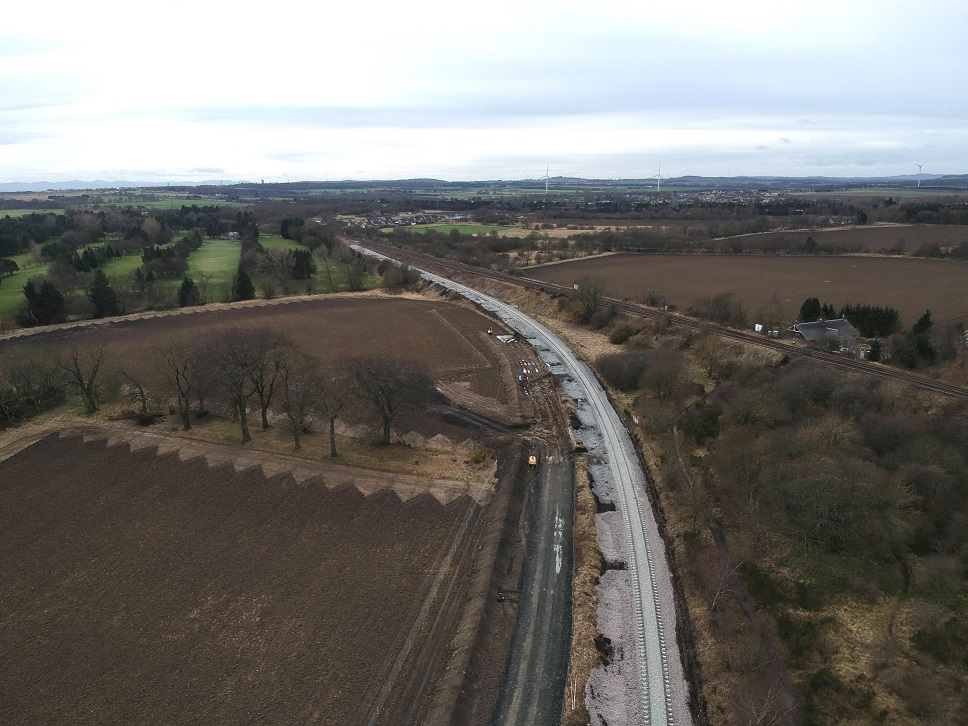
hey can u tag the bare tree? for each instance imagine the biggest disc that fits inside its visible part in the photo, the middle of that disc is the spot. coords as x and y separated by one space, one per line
768 704
666 373
301 389
203 287
392 280
270 349
235 356
180 370
355 267
82 371
140 394
38 381
709 352
278 265
725 583
391 386
335 392
327 266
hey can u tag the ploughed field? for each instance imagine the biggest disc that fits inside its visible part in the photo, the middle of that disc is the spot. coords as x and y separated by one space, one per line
911 285
448 340
136 587
873 238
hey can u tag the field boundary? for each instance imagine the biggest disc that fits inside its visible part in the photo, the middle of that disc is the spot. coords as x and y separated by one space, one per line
330 474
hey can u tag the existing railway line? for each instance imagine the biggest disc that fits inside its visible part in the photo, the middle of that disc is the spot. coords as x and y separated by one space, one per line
832 359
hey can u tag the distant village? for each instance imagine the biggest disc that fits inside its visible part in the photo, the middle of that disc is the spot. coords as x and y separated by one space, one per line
379 220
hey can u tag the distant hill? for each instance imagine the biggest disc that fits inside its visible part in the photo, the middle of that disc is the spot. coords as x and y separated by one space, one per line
73 185
76 185
558 184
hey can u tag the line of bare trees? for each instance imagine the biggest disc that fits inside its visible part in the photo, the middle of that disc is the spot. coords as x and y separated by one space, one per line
260 370
249 371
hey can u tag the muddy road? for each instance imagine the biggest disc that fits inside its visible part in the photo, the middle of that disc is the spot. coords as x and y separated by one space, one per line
534 682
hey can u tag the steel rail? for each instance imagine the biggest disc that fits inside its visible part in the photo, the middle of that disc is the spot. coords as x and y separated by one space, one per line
657 703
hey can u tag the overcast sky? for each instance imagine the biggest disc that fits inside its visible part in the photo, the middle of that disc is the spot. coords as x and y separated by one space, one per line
283 91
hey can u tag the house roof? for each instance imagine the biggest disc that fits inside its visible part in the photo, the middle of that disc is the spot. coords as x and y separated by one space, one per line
826 330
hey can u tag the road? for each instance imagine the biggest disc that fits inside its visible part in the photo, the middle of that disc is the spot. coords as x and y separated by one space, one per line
654 672
533 687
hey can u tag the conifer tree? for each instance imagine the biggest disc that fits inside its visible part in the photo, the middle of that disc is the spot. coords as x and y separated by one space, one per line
242 288
103 297
44 307
188 294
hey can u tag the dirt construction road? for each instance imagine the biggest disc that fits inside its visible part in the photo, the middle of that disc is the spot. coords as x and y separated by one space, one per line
534 683
649 684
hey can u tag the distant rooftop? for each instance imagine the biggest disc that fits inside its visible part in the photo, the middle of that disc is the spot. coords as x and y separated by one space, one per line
826 330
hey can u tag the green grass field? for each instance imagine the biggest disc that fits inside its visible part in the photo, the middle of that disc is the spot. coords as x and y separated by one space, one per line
321 281
12 287
338 273
276 242
122 266
462 228
22 260
212 266
12 291
24 212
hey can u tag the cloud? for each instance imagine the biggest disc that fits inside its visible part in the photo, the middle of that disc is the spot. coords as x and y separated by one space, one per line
352 91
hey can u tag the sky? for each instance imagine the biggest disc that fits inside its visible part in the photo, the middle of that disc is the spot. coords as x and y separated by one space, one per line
284 91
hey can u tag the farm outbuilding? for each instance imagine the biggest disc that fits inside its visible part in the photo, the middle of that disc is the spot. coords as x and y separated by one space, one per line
828 333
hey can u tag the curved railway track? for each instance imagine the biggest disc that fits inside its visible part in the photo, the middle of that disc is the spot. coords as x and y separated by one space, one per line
659 678
791 349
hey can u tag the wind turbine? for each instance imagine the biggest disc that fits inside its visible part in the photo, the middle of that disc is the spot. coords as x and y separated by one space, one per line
919 171
658 179
546 179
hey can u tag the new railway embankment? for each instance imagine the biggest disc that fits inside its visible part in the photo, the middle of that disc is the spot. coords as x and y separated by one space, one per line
644 680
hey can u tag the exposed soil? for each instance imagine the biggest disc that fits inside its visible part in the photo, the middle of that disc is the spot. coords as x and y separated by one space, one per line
910 285
139 587
873 238
449 341
441 337
150 577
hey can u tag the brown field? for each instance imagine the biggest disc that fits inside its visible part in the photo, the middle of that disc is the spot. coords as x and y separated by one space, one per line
448 340
152 578
874 238
139 588
910 285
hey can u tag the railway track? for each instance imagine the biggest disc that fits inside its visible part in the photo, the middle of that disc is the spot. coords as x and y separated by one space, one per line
657 672
832 359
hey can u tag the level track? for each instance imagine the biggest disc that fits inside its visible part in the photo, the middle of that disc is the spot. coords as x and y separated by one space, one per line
831 359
